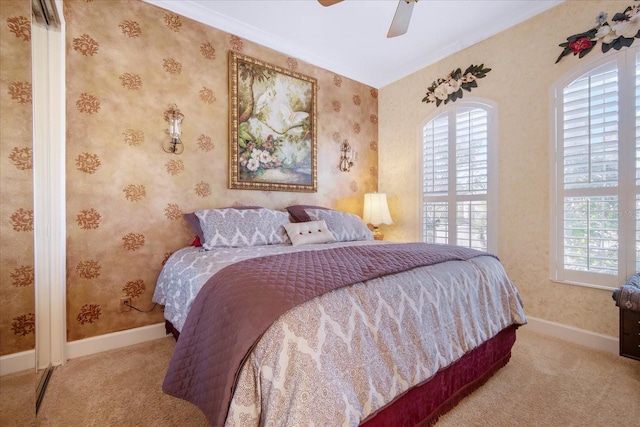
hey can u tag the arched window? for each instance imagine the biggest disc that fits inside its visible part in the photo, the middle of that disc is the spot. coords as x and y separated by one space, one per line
595 183
458 169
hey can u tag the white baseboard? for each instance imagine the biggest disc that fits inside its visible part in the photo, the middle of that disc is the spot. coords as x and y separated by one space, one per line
17 362
575 335
114 340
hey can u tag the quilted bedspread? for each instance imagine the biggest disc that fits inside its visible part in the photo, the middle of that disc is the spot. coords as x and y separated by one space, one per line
372 333
189 268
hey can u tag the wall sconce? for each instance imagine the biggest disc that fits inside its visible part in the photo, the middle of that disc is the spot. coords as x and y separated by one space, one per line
376 212
347 156
174 117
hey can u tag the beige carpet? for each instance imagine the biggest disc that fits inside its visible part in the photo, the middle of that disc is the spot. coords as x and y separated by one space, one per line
548 382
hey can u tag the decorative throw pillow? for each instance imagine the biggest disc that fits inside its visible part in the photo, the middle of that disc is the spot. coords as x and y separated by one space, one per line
304 233
193 219
242 227
344 226
299 215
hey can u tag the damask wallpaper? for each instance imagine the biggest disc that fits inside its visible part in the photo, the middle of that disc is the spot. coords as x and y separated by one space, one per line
17 320
127 62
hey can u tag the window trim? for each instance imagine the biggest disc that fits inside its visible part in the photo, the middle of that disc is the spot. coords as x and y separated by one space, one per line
626 63
492 161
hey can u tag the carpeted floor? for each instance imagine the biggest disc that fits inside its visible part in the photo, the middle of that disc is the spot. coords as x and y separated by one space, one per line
548 382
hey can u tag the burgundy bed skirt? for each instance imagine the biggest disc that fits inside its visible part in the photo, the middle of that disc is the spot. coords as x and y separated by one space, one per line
424 404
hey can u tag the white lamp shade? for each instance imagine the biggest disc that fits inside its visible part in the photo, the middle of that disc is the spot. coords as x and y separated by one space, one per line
376 210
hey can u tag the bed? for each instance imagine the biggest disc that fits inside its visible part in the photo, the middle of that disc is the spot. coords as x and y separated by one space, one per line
313 322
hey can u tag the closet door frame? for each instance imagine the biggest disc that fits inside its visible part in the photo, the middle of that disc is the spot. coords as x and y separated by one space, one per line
48 82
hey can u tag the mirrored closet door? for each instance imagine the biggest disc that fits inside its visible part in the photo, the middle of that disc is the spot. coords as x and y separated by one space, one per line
48 84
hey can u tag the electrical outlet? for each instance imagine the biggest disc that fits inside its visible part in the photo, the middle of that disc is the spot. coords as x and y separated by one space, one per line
125 304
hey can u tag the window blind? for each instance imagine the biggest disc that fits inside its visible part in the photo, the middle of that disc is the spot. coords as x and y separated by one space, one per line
597 172
436 156
455 178
590 158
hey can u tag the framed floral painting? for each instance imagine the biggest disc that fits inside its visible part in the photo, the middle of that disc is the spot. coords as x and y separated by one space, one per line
273 114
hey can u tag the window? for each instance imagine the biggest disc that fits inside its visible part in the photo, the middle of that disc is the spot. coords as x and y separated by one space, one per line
457 157
596 170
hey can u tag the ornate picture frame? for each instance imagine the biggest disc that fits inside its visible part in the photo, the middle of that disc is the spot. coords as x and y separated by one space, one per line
273 127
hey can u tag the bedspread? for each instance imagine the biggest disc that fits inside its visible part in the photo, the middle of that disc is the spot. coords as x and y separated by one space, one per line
217 354
339 358
189 268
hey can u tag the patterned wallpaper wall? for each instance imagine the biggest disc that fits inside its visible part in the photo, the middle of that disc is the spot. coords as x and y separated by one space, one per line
17 321
127 63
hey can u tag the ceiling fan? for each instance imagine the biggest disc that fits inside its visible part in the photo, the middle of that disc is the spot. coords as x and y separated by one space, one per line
401 19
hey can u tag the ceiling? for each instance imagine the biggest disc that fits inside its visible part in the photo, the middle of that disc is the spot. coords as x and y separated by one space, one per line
350 38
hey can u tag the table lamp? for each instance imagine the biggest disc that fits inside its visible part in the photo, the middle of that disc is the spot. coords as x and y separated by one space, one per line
376 212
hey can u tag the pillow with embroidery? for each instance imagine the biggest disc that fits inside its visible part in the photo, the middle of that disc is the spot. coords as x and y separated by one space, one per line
242 227
344 226
305 233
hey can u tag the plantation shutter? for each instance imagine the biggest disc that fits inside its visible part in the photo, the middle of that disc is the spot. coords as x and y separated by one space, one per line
435 184
456 177
590 171
597 192
471 177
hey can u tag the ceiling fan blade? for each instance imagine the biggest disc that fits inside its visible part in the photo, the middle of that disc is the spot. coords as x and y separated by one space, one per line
400 23
326 3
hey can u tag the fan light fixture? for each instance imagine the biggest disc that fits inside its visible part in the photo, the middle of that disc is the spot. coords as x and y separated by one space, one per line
400 23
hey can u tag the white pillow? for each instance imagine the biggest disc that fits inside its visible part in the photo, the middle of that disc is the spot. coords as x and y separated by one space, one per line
242 227
304 233
344 226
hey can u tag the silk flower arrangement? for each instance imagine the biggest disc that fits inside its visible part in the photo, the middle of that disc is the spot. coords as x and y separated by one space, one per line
450 88
623 30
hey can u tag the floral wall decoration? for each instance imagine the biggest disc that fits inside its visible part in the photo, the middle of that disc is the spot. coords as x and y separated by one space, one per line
450 88
623 30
